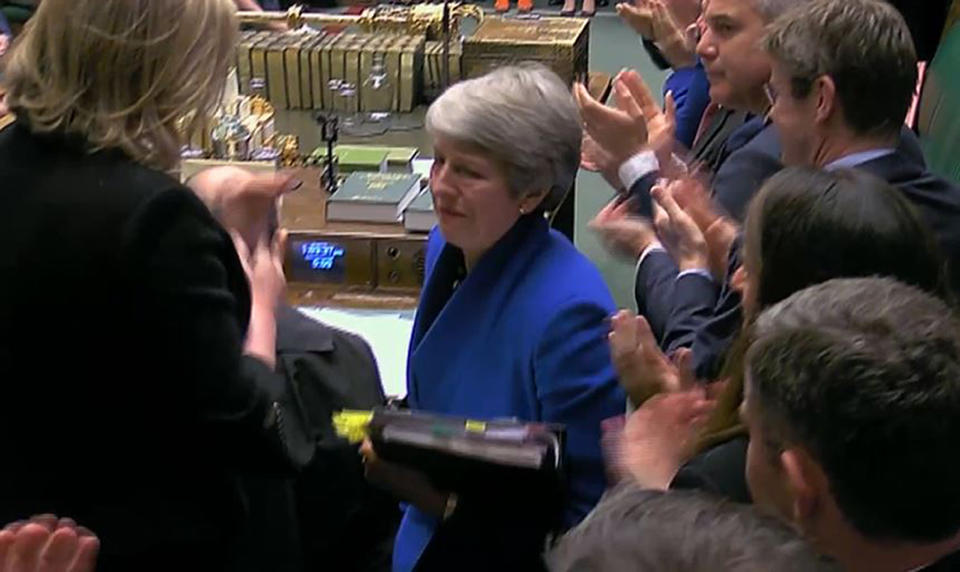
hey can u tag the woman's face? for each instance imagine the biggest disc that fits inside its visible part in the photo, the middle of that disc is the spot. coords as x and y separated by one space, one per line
471 197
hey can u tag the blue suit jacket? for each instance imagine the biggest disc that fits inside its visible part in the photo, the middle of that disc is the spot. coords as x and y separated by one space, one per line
524 335
691 93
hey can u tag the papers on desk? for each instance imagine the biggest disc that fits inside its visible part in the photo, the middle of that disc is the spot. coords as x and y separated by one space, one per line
387 332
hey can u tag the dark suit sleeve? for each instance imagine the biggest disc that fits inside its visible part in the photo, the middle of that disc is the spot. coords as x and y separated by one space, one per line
694 302
740 177
654 290
197 303
639 193
713 335
719 470
656 56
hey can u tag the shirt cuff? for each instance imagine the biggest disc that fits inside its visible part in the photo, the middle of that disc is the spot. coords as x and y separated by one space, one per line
637 167
654 247
696 272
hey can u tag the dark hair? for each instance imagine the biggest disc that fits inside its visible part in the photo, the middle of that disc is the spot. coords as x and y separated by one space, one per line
865 375
864 46
680 531
806 226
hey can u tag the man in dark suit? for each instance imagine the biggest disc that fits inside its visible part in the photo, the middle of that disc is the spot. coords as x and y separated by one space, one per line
741 162
823 119
853 406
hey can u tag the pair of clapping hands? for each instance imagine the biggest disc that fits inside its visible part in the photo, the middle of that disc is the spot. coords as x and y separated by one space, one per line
686 221
46 543
653 20
650 445
245 203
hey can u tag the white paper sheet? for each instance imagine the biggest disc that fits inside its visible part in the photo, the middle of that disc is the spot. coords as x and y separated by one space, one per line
387 332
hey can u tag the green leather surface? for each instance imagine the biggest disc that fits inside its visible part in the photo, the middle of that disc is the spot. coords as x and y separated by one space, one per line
939 119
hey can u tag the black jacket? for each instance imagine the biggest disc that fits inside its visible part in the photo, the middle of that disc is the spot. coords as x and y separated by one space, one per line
126 401
345 524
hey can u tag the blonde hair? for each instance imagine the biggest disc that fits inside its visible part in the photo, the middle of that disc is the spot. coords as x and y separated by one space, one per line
122 73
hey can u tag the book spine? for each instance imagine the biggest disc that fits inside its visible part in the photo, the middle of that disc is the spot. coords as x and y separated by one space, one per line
365 95
258 58
291 70
410 60
276 74
337 71
243 61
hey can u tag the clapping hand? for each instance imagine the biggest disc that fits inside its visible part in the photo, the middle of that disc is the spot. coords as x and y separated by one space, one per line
660 124
719 231
47 544
620 131
659 437
639 16
621 232
595 158
642 367
677 230
243 202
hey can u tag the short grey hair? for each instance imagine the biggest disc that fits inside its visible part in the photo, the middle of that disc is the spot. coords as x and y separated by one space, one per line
681 531
525 118
773 9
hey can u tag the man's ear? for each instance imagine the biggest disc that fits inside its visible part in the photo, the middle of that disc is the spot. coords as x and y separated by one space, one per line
806 484
825 91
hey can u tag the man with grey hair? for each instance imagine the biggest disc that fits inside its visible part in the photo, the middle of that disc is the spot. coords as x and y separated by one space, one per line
852 400
833 109
681 531
637 144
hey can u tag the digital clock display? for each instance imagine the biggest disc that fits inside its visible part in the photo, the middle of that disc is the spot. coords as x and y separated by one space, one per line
318 261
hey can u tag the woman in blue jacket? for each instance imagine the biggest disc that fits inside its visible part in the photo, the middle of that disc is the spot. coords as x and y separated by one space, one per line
512 318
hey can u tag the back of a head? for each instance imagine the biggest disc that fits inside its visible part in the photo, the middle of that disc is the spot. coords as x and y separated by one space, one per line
807 226
863 45
680 531
865 375
122 73
770 10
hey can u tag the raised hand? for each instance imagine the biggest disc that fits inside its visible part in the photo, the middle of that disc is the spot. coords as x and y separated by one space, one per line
718 230
639 16
643 369
621 232
660 124
268 285
659 436
621 131
47 544
595 158
243 202
678 232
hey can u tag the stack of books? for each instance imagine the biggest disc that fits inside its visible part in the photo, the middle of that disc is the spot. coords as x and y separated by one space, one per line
419 215
373 197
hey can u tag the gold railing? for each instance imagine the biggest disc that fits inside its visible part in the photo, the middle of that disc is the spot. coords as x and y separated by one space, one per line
417 19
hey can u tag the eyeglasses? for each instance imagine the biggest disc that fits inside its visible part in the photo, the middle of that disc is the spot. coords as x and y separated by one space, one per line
693 33
771 93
